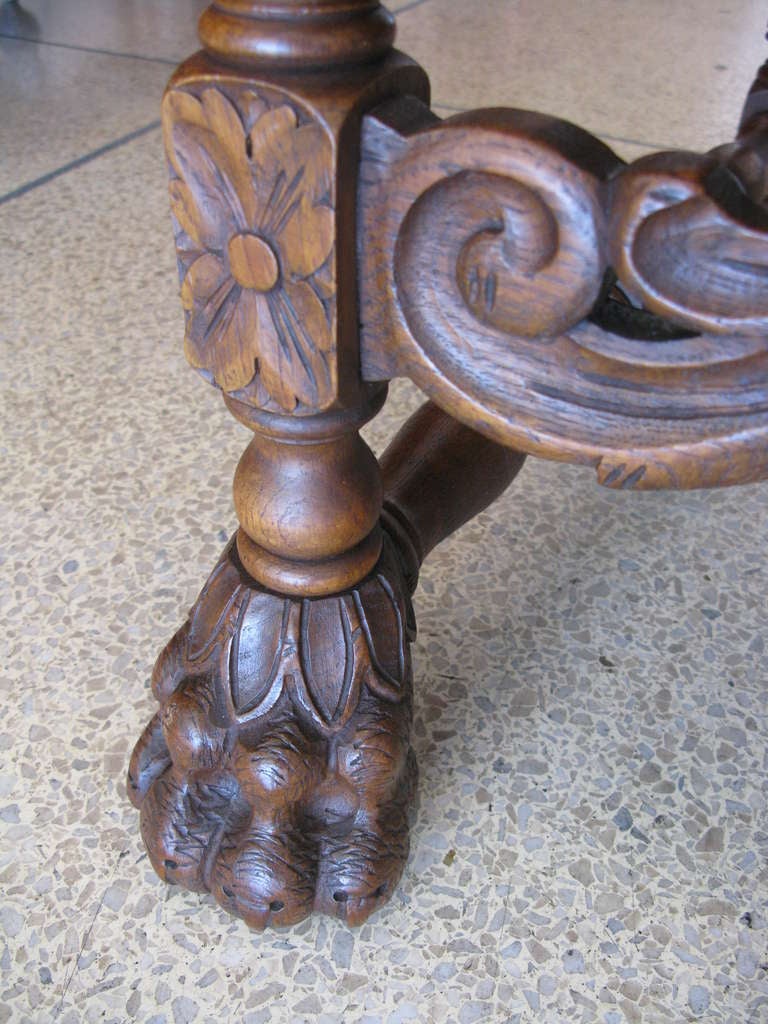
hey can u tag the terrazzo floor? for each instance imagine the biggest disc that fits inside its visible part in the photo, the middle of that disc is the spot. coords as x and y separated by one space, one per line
591 839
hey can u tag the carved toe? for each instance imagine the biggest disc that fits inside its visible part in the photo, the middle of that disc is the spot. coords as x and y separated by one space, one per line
268 878
360 871
278 771
184 822
194 742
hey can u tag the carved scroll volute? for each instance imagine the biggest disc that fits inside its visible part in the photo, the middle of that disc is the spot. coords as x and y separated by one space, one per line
506 222
485 242
688 243
481 235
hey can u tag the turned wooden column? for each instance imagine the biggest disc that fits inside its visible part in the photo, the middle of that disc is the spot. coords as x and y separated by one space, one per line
261 134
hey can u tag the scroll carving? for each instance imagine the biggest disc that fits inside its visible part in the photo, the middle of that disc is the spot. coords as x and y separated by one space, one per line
494 266
499 206
498 238
687 243
251 197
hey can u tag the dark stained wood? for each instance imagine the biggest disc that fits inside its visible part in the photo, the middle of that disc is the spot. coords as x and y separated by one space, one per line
263 168
485 243
282 744
278 772
333 233
438 474
287 34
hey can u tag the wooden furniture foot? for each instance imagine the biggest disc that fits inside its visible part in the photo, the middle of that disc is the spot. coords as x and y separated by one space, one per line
278 772
332 233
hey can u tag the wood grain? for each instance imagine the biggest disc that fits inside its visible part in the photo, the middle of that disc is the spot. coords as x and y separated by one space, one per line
251 197
333 233
295 34
278 772
493 247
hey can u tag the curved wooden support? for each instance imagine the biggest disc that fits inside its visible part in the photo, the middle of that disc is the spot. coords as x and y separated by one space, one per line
438 474
490 244
679 221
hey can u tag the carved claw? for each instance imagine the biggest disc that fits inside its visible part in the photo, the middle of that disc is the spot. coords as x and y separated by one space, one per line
268 877
185 819
149 760
360 869
278 772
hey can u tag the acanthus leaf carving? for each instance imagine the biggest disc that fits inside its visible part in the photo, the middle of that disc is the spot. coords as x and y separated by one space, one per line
322 650
382 614
257 647
255 236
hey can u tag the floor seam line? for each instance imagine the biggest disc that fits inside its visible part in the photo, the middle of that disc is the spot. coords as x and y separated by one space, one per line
80 161
88 49
409 7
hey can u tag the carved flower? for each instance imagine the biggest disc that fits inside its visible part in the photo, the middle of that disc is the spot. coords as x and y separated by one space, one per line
251 198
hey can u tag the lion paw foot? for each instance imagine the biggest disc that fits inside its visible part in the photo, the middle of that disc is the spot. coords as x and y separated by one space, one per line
278 772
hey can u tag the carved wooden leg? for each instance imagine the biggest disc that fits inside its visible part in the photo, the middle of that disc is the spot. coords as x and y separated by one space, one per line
279 772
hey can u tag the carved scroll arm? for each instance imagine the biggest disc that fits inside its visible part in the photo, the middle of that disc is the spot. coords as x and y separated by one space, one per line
485 242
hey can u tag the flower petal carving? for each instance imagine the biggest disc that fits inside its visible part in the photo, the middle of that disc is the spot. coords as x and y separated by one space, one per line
319 653
307 237
266 134
215 206
219 596
191 219
179 107
237 351
220 113
251 175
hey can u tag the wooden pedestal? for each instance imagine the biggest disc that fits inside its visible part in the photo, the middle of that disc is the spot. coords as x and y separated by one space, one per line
332 233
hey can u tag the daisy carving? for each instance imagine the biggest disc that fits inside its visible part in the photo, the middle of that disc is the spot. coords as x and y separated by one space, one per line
255 234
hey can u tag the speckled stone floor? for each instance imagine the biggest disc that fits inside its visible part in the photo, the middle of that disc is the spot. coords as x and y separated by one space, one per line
591 840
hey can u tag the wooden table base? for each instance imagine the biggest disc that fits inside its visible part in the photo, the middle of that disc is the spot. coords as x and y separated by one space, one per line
332 234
